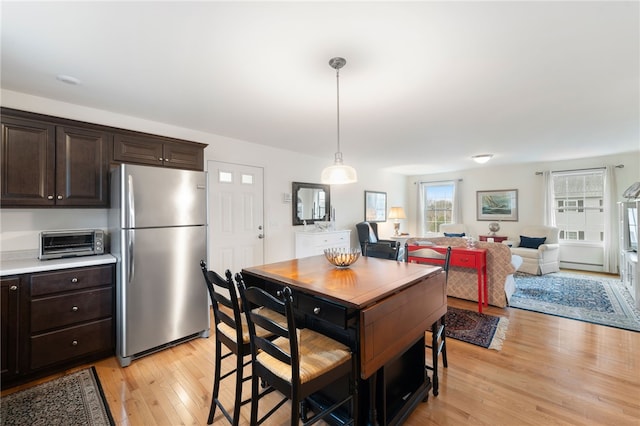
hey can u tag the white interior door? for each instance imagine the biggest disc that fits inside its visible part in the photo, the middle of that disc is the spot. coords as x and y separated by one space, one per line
236 211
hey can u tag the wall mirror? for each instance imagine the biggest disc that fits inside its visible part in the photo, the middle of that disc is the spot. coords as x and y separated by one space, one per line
311 202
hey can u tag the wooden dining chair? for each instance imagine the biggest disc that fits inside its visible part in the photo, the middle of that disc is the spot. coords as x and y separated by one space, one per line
297 363
229 331
438 336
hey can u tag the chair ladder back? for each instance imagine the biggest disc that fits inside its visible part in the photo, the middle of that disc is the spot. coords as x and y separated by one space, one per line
447 259
260 299
213 281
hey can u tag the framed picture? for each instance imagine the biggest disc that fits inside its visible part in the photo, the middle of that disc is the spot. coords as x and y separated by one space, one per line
497 205
375 206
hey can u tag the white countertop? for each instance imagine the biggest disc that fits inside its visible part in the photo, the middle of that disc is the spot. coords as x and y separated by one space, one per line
11 264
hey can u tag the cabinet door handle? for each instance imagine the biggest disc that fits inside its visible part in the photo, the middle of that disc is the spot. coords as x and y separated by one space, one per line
13 288
49 197
74 280
74 309
160 159
59 197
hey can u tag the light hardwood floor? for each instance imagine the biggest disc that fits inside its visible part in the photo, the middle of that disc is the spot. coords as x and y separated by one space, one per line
551 371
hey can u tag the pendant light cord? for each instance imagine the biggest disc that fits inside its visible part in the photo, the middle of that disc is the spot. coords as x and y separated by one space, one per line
338 108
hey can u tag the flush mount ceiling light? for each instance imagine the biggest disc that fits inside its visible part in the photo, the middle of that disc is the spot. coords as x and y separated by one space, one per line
339 173
482 158
68 79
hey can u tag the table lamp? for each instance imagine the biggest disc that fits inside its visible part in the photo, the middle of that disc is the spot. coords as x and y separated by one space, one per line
396 213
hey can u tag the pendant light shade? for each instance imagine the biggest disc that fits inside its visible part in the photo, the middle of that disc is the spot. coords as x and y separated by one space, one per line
339 173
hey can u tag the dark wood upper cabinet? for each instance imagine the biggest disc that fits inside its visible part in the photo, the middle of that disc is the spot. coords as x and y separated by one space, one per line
57 162
158 151
137 149
28 163
82 167
44 165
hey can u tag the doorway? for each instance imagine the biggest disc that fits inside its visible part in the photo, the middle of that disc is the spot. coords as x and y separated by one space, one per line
236 216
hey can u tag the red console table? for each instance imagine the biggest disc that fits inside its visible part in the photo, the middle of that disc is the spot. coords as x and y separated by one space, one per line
474 258
496 238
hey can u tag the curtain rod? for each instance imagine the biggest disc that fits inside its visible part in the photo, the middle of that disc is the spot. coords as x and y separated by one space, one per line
438 181
618 166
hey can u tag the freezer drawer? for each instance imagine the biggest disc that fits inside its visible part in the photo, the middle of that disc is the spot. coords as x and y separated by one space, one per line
161 296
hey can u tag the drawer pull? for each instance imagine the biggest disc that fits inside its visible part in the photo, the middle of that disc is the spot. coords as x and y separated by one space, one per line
316 310
13 288
74 343
74 280
74 309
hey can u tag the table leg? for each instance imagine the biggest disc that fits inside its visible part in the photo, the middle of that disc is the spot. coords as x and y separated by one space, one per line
486 286
481 295
373 414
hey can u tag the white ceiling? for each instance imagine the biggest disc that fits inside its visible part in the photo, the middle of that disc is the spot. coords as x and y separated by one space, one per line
426 86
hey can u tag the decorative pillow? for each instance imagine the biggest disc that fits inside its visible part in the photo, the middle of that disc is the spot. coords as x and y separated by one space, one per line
372 235
452 234
531 242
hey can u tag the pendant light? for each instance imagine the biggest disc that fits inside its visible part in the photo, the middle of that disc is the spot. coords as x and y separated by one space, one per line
339 173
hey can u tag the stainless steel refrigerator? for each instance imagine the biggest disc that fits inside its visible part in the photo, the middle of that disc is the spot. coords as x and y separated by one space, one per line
158 231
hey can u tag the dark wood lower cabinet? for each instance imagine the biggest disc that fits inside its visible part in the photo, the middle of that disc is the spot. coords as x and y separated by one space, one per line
9 299
56 320
71 343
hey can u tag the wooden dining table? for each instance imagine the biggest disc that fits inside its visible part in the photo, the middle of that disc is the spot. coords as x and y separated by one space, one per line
379 308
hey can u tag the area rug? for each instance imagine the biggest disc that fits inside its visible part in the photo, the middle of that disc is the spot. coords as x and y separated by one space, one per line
73 399
587 298
476 328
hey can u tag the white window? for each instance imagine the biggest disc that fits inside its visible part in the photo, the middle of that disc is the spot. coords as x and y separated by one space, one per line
437 205
579 204
225 177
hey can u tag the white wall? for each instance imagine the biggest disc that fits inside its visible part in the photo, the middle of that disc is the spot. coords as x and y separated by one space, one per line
19 228
530 193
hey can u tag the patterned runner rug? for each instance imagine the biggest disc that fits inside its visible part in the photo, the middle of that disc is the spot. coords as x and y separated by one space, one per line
73 399
593 299
476 328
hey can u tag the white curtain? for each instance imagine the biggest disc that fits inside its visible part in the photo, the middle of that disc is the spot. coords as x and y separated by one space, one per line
421 204
457 202
610 255
549 201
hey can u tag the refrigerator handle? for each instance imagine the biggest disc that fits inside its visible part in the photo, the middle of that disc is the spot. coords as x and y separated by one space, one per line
130 253
131 200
